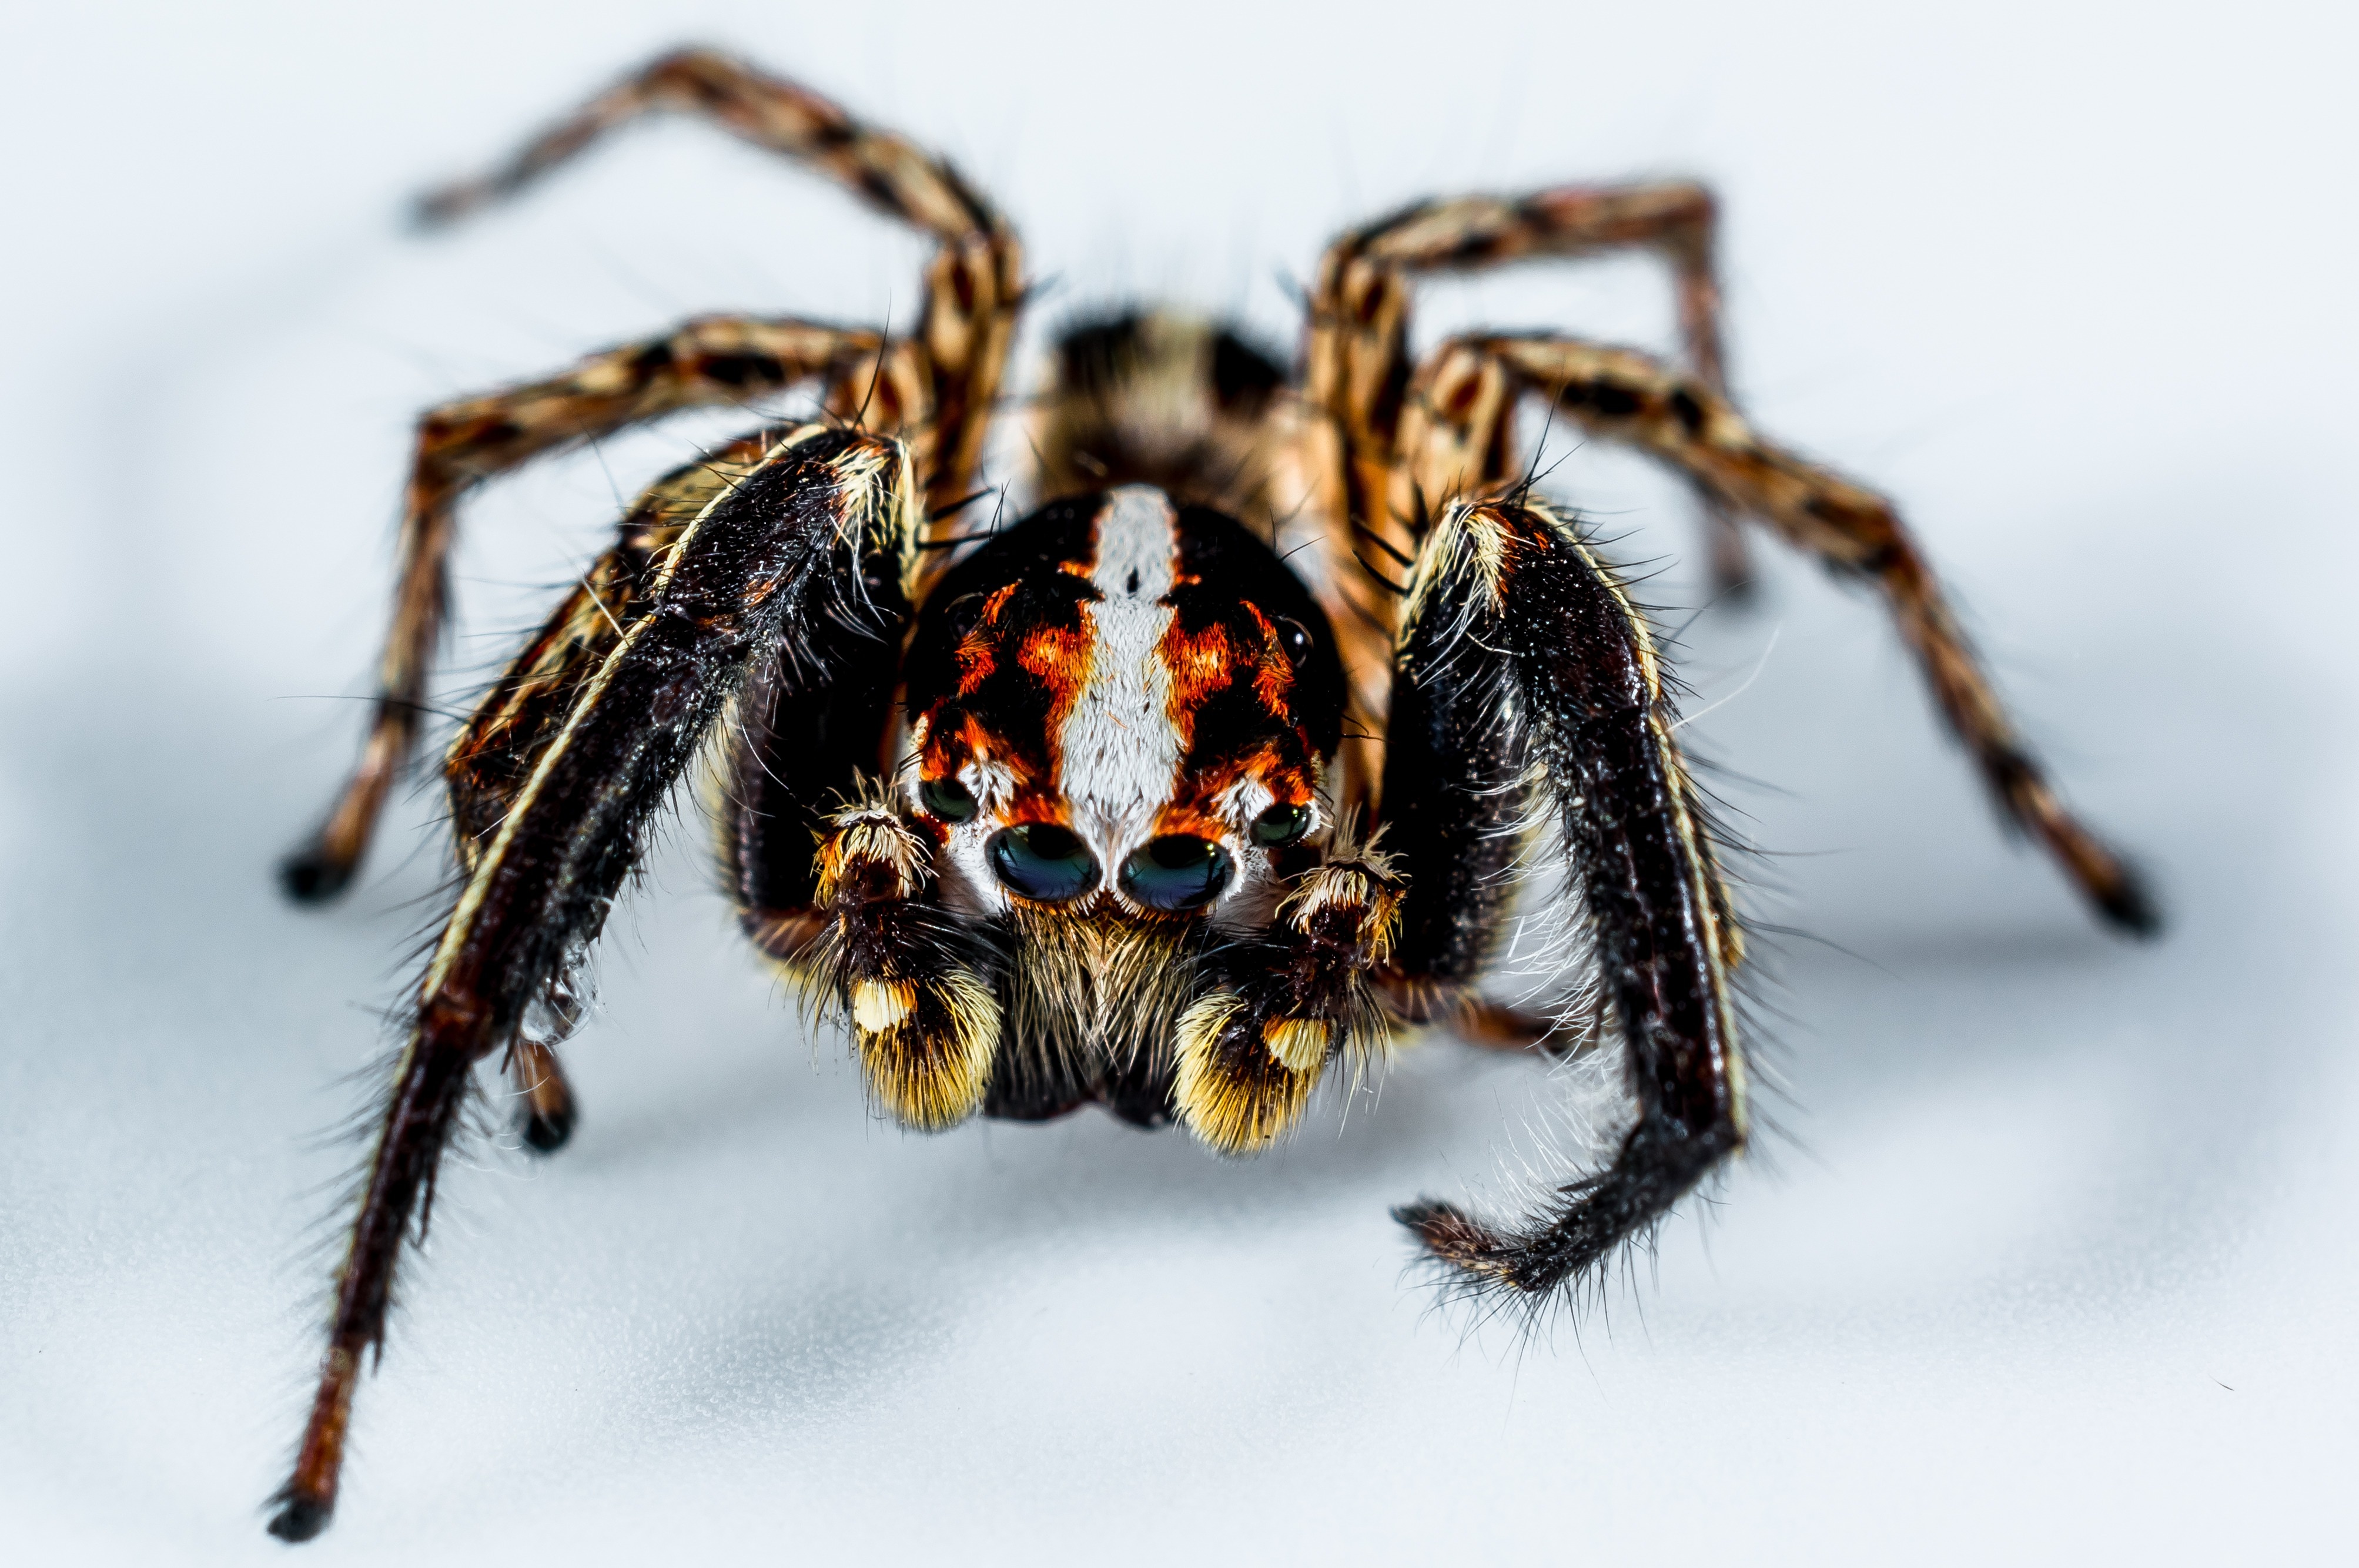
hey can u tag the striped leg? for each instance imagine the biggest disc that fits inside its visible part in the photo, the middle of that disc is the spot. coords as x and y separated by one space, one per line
1359 356
1466 392
1520 651
788 547
717 360
973 289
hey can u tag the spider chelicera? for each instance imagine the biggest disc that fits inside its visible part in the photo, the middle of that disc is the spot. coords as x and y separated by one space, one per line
1130 748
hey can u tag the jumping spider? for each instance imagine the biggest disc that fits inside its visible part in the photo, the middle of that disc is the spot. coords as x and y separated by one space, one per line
1124 740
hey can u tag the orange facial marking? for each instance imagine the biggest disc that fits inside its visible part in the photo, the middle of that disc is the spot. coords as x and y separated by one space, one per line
1059 660
1201 663
1273 672
977 655
1198 809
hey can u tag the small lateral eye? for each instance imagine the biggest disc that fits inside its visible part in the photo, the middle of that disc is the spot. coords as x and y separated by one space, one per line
1281 824
1043 862
962 612
1177 872
947 798
1295 638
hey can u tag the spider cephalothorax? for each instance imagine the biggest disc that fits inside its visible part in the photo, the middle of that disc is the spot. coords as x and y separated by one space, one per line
1119 712
1229 764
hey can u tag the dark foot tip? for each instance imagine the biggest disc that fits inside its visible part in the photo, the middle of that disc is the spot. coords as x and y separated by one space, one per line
312 878
434 212
546 1133
1453 1236
1443 1228
301 1519
2130 906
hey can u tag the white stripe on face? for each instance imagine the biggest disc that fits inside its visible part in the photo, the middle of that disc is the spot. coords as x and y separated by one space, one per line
1121 755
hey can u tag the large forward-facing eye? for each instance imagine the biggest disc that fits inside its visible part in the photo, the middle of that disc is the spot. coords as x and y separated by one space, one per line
1042 860
1177 872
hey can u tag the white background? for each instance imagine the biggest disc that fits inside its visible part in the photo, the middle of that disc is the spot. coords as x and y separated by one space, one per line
2051 1256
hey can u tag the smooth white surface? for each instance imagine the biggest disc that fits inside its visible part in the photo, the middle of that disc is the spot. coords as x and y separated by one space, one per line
2052 1258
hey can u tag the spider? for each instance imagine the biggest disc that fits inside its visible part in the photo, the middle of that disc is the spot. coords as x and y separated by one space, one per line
1221 767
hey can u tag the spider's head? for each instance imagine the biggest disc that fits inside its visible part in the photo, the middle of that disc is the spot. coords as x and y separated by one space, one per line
1121 711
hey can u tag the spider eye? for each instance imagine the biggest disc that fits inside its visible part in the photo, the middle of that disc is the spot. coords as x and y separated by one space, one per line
1295 638
1042 860
1177 872
1281 824
947 798
962 612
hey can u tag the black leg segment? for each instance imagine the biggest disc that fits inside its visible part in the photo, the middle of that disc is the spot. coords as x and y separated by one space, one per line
1533 684
783 548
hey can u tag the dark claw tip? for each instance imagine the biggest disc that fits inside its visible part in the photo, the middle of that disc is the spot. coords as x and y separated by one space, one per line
546 1134
301 1519
1439 1224
2129 905
434 210
310 877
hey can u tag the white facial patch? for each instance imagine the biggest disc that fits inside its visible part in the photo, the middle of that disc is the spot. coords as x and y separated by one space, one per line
1120 754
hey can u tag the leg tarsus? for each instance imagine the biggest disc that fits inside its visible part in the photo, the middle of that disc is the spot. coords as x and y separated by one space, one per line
310 875
2130 906
1660 1163
549 1109
299 1519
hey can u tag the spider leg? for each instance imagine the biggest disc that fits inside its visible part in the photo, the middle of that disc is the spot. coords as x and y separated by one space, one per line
974 286
1287 1001
783 548
1625 396
548 1106
525 710
715 361
1522 661
1358 358
802 748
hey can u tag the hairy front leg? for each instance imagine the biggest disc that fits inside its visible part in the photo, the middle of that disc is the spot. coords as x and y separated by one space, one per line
494 758
974 286
784 546
1517 633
